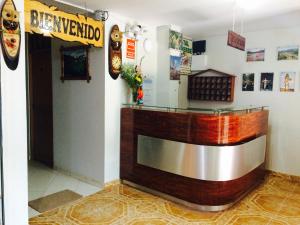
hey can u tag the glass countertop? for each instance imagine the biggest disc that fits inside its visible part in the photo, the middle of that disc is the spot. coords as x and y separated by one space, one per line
218 111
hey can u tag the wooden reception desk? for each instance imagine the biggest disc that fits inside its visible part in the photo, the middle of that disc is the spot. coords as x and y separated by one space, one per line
205 159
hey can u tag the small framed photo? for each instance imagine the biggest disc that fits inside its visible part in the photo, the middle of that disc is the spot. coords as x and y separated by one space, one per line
266 81
256 55
248 82
287 81
288 53
75 63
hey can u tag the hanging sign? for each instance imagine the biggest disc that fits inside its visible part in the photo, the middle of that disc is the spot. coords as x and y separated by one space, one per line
130 49
236 41
49 21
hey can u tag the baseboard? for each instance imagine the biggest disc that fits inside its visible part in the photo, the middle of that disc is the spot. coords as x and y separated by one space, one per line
80 177
112 183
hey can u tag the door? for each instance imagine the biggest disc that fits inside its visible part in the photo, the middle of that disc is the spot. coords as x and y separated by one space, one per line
40 86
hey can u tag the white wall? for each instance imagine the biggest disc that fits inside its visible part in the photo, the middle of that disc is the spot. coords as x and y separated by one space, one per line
87 116
115 95
284 123
14 131
78 117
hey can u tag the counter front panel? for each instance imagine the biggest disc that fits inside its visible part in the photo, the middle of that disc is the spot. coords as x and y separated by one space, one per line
211 131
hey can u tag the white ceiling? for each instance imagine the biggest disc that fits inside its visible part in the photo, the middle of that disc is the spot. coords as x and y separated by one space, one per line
200 18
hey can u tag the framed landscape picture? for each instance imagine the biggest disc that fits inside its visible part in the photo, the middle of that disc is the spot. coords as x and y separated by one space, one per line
255 55
175 40
75 63
288 53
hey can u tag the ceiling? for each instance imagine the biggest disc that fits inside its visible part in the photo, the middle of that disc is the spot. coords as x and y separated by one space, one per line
200 18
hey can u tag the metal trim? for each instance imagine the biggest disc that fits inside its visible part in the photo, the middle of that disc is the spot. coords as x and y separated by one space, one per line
206 208
212 163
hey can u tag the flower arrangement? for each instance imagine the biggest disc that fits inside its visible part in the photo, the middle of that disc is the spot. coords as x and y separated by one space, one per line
134 79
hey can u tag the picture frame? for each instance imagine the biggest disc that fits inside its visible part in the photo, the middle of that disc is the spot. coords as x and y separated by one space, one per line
288 53
255 55
75 63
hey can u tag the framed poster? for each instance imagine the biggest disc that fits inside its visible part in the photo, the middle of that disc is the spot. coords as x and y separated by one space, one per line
248 82
175 40
287 81
288 53
75 63
255 55
266 81
175 64
186 55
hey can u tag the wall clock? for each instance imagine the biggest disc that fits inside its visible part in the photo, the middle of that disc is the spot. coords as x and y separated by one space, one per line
10 34
115 52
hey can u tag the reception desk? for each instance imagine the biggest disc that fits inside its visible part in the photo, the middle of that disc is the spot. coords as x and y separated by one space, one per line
205 159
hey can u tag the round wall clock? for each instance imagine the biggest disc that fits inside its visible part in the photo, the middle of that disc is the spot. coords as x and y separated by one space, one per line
115 52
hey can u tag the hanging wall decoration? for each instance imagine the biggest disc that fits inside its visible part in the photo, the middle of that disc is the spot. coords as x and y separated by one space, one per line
255 55
130 48
287 81
175 40
10 34
51 22
236 41
115 52
186 56
266 81
175 63
288 53
248 82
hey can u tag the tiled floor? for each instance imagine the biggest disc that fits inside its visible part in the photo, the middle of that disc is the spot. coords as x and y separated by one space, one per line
44 181
276 202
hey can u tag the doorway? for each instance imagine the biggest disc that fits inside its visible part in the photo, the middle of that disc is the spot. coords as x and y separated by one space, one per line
40 94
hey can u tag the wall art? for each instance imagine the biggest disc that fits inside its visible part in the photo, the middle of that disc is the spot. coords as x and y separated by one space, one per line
175 40
186 56
248 82
75 63
115 52
266 81
255 55
288 53
175 64
10 34
287 81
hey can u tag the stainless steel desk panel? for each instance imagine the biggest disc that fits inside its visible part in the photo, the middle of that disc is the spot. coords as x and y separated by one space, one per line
212 163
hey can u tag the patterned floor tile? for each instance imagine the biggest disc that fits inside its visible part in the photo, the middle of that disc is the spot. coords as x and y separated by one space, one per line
272 203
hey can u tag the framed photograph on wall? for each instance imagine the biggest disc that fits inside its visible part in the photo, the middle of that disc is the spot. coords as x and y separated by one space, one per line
248 82
288 53
287 81
266 81
75 63
255 55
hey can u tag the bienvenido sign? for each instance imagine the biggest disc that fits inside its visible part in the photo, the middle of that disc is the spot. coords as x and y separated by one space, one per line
235 40
49 21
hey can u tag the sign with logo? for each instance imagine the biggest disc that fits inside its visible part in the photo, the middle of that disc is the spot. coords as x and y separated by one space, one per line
49 21
236 41
130 49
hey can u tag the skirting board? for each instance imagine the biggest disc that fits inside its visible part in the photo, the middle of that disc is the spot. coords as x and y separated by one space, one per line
80 177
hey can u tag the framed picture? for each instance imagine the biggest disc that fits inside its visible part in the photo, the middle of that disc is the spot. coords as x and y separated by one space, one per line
287 81
256 55
175 64
288 53
248 82
75 63
175 40
266 81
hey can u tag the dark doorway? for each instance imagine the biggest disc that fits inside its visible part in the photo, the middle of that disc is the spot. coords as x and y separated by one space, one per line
40 98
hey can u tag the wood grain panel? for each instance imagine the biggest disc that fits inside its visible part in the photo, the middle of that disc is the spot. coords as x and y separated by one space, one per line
191 128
